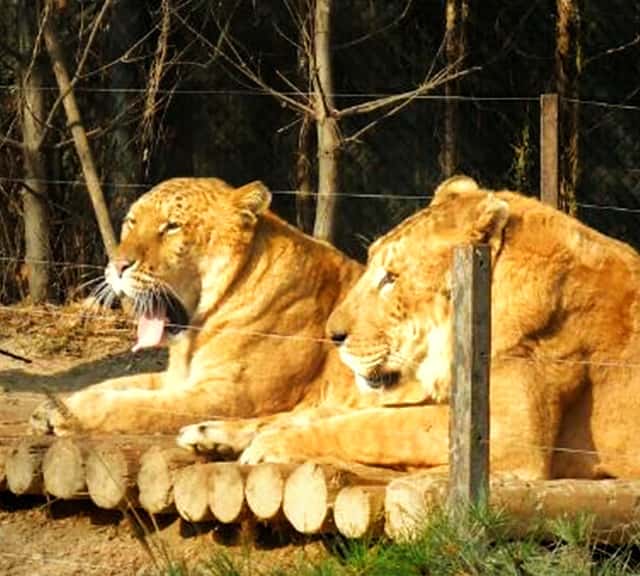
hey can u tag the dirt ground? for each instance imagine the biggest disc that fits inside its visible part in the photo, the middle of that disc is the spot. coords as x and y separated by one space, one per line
61 350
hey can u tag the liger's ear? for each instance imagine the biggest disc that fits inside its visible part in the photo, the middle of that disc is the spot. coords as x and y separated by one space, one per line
455 185
253 198
490 218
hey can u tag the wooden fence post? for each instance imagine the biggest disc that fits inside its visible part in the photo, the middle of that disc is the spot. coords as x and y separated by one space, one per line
549 181
469 403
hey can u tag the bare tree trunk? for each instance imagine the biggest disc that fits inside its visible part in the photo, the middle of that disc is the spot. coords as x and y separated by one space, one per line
81 142
304 189
567 72
305 202
34 193
456 14
326 125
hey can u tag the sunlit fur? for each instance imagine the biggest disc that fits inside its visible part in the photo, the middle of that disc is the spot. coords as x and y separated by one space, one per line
248 296
565 330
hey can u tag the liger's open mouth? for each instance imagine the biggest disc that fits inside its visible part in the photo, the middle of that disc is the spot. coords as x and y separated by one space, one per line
158 318
381 378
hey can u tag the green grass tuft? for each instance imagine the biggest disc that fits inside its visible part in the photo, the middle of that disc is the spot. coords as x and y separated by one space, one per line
475 542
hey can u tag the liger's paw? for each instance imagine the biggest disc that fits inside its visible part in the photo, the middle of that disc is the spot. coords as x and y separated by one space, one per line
265 447
48 418
224 438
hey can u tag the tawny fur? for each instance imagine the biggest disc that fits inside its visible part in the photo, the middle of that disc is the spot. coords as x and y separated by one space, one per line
258 294
565 366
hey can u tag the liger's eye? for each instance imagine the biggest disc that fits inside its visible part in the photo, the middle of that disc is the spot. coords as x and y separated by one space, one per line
388 279
170 227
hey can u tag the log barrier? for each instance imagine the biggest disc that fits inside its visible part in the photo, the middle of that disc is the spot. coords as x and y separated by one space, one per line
313 497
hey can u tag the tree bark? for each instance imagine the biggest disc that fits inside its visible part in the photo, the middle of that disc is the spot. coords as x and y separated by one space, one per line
81 142
326 125
34 192
304 194
567 65
456 13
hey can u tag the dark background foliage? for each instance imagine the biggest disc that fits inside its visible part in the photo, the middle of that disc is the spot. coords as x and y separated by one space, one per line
207 119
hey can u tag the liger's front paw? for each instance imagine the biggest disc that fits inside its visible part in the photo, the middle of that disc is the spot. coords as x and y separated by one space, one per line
48 418
222 438
265 447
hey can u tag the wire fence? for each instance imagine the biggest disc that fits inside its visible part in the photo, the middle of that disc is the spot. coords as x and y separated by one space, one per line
385 175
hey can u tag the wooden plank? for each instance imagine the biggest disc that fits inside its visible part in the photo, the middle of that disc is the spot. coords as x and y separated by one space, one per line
469 414
549 179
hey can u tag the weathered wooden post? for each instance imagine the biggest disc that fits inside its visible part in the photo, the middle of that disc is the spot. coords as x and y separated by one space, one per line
549 180
469 415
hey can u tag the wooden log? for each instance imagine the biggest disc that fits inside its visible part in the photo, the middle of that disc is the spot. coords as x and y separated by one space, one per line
4 451
614 505
358 511
226 492
311 489
63 469
156 477
23 466
408 501
264 489
111 475
191 492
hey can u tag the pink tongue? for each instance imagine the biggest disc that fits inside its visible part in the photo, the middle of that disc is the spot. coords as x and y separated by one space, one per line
150 332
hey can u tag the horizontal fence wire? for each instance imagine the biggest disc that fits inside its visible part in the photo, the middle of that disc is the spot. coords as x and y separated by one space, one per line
276 192
91 315
130 323
339 95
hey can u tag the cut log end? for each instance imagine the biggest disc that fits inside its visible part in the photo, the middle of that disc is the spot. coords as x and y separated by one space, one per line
359 511
63 469
264 491
156 476
408 501
4 452
305 501
107 477
23 467
191 493
226 493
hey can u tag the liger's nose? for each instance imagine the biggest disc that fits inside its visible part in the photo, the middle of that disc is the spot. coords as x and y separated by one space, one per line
120 265
338 337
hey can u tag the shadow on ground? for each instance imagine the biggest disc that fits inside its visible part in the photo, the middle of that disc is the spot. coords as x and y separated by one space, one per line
84 374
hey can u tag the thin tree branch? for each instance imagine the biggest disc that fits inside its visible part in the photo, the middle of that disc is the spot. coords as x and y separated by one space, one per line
614 50
426 86
239 64
373 33
76 75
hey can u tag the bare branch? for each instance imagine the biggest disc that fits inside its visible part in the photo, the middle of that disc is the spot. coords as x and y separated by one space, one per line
427 86
373 33
6 141
156 73
239 64
76 75
614 50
